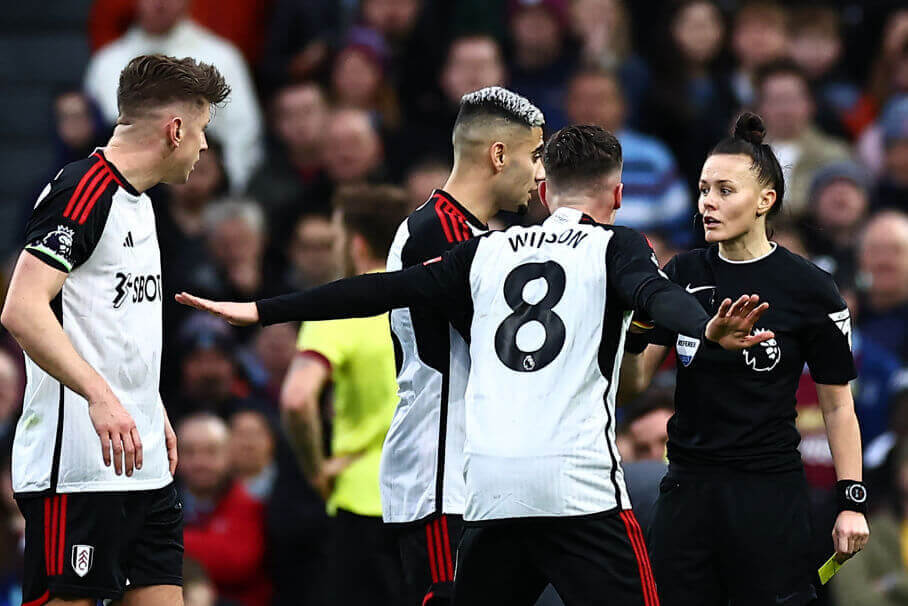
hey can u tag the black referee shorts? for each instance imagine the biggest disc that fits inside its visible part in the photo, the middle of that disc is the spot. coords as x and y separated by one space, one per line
731 538
99 544
591 561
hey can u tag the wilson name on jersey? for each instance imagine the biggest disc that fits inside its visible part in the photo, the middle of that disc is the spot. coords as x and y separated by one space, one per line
422 458
90 223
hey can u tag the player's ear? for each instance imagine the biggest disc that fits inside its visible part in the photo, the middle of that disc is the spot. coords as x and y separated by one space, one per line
543 190
175 131
497 152
766 202
619 192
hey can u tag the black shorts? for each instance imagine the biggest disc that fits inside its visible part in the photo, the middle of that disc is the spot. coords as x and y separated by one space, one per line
732 538
367 563
596 560
427 553
98 544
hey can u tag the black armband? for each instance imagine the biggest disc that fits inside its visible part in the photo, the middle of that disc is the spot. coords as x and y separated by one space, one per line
636 342
852 496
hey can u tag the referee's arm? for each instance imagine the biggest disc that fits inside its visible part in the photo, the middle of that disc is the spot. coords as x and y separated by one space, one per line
28 316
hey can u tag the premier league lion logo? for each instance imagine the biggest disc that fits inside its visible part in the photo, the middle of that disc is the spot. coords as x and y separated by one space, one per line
764 356
59 241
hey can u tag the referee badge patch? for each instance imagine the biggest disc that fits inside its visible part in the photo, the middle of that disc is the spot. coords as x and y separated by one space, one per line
687 348
842 320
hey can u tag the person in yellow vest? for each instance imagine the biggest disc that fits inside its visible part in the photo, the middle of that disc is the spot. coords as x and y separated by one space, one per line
357 356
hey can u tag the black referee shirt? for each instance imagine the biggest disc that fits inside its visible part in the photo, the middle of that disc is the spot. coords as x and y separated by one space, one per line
737 409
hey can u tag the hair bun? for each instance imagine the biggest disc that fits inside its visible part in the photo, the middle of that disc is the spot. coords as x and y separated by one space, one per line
749 127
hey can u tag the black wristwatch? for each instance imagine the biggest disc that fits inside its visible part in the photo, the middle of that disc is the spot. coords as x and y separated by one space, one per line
852 496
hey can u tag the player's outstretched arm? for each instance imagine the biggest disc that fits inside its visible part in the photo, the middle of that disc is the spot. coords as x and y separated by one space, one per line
28 317
440 284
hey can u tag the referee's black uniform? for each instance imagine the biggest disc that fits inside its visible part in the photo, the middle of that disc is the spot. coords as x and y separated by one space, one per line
732 523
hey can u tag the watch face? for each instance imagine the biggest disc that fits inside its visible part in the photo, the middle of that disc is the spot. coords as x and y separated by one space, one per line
856 493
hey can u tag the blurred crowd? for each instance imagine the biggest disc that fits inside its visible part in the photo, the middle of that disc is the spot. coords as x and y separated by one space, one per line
329 95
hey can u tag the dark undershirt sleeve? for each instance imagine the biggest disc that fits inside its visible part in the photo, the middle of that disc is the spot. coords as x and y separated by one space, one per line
634 272
441 283
660 335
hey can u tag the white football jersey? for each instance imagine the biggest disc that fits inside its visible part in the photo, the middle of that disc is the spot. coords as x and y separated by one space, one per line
90 223
541 395
422 457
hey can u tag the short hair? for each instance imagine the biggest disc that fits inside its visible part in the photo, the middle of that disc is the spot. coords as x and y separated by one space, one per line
374 212
149 81
580 153
779 67
499 102
822 19
245 209
763 11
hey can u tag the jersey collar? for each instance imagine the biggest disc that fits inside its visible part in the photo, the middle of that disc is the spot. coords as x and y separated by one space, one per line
773 246
566 214
467 214
118 176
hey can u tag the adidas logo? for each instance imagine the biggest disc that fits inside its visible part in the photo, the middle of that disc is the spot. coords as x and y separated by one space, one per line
128 243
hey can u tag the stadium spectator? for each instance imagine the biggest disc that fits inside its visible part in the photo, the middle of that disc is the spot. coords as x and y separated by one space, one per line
359 80
79 128
888 76
883 259
274 348
784 99
198 590
355 154
817 48
541 57
759 36
357 355
838 205
210 370
423 178
879 577
655 196
604 30
411 29
646 425
237 235
162 26
252 446
312 260
892 191
12 529
239 21
691 99
297 43
224 526
473 61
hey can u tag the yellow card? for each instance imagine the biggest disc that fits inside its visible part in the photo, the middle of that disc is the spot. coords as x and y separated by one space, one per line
828 570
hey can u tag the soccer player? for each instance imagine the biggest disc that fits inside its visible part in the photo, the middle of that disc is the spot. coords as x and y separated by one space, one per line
497 164
354 355
85 304
732 522
545 310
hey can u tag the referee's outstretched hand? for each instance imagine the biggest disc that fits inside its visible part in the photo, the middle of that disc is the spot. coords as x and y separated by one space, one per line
732 325
120 441
237 314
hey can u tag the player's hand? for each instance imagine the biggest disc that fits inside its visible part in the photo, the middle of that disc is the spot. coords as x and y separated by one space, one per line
120 441
733 323
331 468
170 441
850 534
238 314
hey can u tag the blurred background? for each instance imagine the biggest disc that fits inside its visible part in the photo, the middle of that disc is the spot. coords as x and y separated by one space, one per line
333 94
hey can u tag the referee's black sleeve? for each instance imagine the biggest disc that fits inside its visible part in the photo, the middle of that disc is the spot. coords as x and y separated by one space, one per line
442 283
826 339
634 272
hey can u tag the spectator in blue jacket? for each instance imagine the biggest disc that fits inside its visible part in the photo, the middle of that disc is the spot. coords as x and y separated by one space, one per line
655 194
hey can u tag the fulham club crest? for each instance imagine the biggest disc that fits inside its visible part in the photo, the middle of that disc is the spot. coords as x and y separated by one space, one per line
83 556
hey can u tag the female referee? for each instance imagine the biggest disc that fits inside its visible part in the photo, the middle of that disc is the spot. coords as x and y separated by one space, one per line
731 525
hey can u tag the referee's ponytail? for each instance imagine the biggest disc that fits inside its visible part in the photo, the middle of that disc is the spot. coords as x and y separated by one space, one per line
747 139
